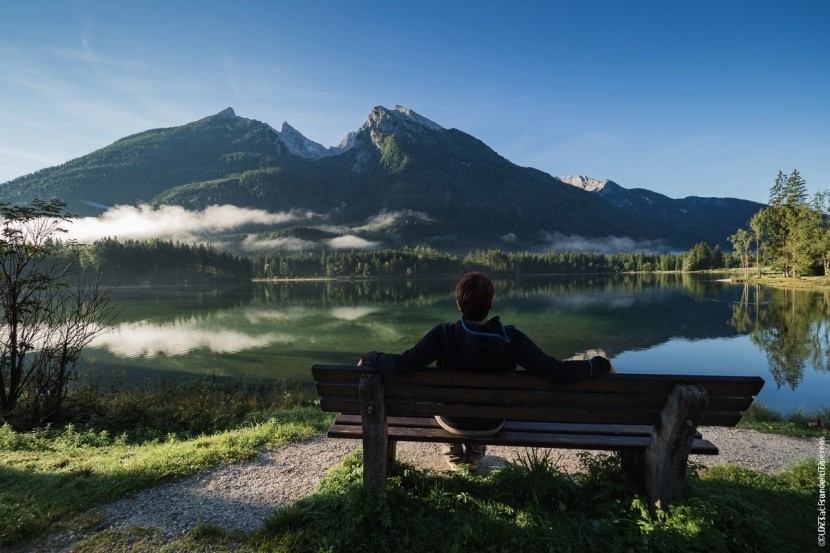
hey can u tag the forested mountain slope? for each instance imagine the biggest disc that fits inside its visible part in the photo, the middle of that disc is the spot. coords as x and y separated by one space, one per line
400 179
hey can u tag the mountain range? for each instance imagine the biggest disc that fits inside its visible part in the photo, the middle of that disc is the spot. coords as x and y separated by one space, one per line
399 180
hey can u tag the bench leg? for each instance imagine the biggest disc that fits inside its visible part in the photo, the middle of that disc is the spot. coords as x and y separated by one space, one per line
665 458
391 450
376 446
632 463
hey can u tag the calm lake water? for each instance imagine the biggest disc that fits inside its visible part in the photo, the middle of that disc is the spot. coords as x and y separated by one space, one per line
643 323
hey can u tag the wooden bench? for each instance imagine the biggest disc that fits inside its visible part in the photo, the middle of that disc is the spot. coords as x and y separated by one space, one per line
650 419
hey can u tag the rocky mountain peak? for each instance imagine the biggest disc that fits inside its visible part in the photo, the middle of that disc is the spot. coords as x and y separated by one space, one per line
227 112
299 145
401 119
585 183
348 141
306 148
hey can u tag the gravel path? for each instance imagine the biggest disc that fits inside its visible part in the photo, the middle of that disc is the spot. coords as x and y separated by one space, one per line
240 496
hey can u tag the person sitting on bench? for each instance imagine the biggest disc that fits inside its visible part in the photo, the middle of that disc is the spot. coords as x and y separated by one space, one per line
476 343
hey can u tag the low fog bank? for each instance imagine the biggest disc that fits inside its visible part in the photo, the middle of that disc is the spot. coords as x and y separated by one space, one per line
177 224
558 242
172 222
251 230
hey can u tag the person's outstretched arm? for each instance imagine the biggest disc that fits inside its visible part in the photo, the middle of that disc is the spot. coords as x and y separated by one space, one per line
535 361
427 350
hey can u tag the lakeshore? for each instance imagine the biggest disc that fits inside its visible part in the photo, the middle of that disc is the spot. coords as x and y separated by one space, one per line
812 283
236 503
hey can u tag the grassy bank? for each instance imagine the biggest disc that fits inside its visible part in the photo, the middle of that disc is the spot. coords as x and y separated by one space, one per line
111 443
47 475
817 284
799 424
528 506
114 443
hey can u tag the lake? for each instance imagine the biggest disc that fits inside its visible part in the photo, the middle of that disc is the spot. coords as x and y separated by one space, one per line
667 323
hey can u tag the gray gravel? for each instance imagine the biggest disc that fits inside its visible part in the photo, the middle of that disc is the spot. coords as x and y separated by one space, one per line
242 495
233 497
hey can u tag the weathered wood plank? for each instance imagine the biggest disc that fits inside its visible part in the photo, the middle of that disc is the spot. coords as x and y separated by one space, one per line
573 415
521 426
520 439
666 456
374 432
507 380
528 398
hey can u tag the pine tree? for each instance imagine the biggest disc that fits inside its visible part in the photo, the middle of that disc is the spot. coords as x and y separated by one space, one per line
788 232
776 193
698 258
795 190
821 205
803 240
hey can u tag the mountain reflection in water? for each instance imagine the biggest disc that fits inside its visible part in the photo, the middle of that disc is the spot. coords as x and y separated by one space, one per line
145 339
644 323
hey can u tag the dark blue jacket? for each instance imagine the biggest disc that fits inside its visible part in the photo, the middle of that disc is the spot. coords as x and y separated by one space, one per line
466 346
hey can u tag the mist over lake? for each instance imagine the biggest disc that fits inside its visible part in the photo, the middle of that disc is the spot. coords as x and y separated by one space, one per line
677 323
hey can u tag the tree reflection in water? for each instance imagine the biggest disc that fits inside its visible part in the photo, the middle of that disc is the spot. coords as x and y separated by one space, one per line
791 327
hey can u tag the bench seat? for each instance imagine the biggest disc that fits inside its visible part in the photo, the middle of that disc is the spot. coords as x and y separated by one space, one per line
601 437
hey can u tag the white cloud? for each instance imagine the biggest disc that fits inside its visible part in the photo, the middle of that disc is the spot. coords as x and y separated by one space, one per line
605 244
388 218
350 241
345 242
173 222
252 243
170 222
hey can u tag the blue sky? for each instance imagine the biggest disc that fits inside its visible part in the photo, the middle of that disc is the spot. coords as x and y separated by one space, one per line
705 98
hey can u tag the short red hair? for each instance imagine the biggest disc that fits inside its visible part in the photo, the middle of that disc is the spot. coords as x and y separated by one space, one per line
474 294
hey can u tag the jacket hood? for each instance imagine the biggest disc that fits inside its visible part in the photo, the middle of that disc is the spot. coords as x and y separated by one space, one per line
481 344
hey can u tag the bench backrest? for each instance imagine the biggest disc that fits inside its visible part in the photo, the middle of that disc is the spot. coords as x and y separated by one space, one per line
518 395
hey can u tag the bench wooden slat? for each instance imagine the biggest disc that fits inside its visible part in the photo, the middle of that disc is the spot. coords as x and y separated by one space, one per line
520 439
520 426
519 380
489 396
621 384
351 406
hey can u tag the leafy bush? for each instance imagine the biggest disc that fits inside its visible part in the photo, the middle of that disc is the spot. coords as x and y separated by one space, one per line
153 410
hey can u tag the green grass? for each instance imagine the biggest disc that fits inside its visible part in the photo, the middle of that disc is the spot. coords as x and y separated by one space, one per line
532 506
115 441
189 407
814 283
797 424
49 476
